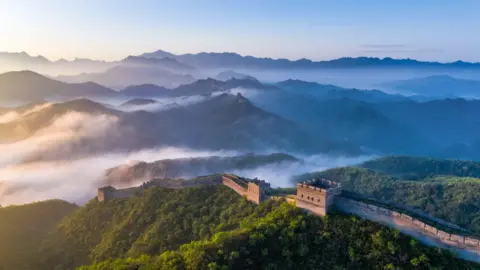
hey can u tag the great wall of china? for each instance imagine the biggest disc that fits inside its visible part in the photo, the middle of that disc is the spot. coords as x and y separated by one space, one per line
253 190
318 196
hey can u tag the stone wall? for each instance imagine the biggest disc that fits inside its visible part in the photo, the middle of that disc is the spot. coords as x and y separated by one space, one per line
312 195
408 224
228 181
310 207
252 191
317 195
108 193
415 211
317 200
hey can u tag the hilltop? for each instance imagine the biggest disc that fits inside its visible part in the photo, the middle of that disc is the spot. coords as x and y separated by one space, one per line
213 226
231 74
447 189
24 228
31 86
232 122
138 102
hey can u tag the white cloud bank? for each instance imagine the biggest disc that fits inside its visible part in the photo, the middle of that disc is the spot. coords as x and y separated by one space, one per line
60 161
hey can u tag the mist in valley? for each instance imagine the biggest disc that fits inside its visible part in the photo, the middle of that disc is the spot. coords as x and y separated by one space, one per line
68 158
61 147
67 154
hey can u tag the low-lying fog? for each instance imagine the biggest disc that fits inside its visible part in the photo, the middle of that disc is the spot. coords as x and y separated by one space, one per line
359 78
67 173
71 166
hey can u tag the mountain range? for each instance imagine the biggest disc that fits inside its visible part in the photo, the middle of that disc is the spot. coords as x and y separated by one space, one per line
188 62
233 60
28 86
171 70
220 122
289 115
31 86
123 75
395 124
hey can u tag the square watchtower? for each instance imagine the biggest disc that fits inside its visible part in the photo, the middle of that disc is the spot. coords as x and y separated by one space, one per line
317 195
106 193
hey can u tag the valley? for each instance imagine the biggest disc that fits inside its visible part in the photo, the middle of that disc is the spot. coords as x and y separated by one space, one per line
225 161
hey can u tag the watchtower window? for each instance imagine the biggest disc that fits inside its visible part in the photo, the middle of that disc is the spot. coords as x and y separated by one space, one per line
302 195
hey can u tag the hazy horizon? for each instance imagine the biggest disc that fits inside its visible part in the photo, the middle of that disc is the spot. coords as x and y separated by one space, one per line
111 30
230 52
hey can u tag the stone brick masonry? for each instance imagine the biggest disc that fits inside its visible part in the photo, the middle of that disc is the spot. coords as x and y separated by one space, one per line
253 191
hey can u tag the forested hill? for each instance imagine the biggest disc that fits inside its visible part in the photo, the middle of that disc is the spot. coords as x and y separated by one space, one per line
419 167
447 189
23 228
212 227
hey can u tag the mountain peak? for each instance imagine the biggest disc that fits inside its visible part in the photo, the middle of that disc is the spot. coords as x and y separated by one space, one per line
228 100
231 74
169 63
138 102
27 85
158 54
84 105
23 75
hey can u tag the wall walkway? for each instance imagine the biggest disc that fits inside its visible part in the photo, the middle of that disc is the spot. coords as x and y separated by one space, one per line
465 246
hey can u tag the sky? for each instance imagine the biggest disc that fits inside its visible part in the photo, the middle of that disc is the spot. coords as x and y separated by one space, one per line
319 30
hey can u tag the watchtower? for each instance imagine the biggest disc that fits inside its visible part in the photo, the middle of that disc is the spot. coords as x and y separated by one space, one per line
317 195
106 193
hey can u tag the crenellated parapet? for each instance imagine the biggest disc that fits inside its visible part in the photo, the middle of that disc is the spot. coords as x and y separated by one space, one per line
253 190
409 224
317 195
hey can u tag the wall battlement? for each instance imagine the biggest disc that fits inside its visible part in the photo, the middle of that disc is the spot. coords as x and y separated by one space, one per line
254 191
317 195
407 224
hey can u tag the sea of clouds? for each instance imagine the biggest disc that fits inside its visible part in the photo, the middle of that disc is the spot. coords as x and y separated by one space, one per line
60 160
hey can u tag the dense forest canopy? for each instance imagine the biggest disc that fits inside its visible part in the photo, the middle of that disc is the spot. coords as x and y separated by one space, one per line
287 238
419 167
212 227
155 221
23 228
